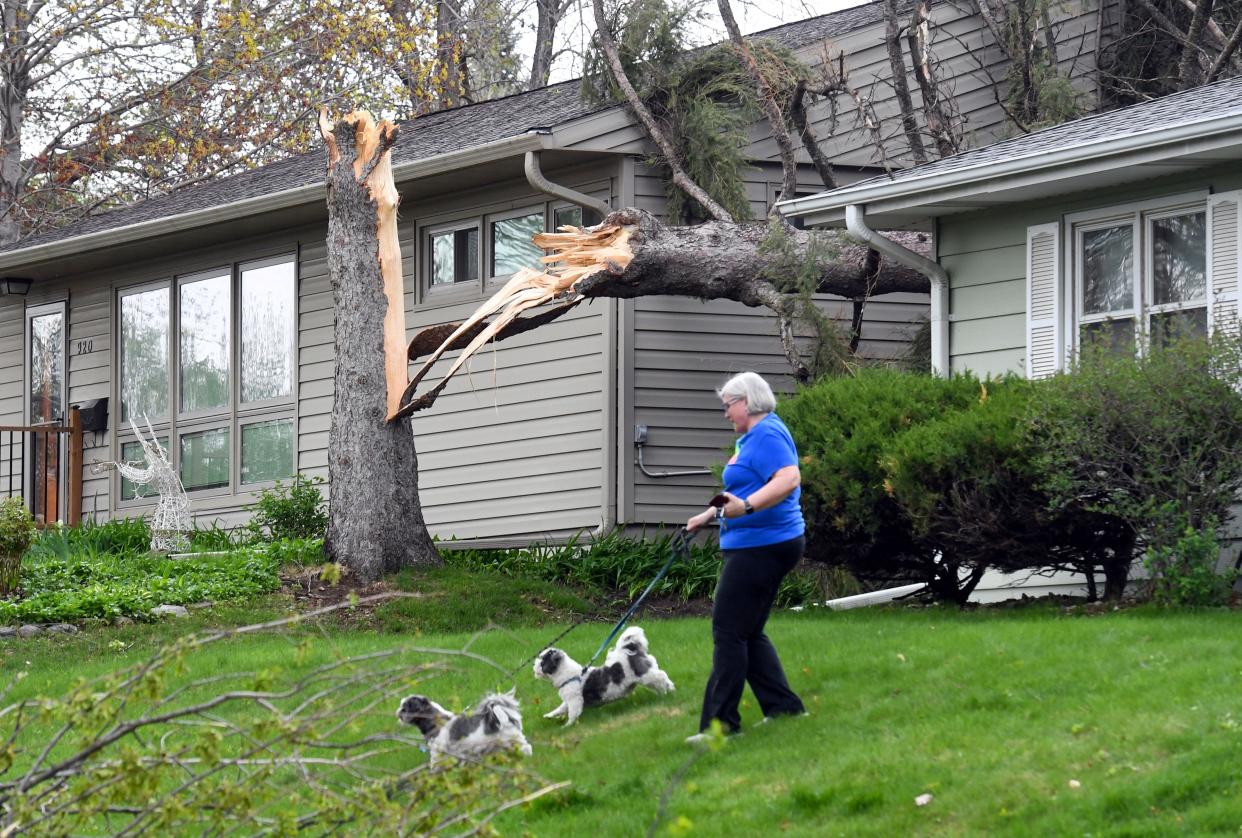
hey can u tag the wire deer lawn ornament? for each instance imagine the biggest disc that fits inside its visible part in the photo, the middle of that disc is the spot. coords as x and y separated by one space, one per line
171 520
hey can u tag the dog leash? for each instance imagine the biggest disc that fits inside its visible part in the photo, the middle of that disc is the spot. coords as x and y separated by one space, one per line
681 549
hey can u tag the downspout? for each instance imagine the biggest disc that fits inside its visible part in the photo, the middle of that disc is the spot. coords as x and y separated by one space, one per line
535 177
608 477
856 223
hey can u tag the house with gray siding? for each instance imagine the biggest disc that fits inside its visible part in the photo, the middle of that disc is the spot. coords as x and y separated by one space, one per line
208 313
1117 226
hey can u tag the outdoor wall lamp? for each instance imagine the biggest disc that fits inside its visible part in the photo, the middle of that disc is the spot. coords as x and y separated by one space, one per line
12 286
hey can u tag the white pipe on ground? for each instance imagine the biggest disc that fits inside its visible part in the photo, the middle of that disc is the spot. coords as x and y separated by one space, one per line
872 598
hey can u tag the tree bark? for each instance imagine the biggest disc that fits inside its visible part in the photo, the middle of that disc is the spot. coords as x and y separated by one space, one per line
1189 70
938 122
892 40
448 48
713 261
375 518
550 13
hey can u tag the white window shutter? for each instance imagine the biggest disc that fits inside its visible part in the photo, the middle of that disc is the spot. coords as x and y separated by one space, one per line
1043 300
1224 216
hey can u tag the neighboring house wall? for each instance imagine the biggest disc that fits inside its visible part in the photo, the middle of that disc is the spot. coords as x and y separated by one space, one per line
967 64
985 255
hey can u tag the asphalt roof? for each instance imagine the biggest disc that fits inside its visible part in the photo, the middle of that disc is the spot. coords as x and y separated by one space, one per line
425 136
1199 104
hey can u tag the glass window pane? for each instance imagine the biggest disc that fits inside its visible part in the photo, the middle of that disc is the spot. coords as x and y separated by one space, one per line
1179 258
268 309
204 341
1108 264
144 355
131 452
1111 335
467 243
266 451
1169 326
442 259
567 216
47 367
205 459
512 248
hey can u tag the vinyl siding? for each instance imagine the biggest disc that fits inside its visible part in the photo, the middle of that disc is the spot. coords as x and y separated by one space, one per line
12 323
985 252
521 446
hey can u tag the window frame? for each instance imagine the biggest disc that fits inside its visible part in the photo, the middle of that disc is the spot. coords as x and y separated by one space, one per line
234 416
493 280
1138 214
451 290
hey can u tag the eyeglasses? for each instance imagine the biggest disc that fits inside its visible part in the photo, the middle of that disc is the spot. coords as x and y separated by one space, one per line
731 402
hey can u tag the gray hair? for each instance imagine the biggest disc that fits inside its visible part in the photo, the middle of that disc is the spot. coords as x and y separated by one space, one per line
752 387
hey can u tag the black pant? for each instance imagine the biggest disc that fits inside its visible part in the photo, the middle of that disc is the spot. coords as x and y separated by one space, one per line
743 654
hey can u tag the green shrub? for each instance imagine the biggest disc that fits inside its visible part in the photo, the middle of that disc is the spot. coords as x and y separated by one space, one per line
617 562
297 510
1154 441
1184 572
845 430
17 531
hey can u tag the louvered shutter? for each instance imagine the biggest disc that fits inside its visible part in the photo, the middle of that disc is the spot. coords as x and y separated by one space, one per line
1043 300
1223 219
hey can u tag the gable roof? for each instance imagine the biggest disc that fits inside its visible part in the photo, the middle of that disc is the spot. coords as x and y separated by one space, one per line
496 128
1193 127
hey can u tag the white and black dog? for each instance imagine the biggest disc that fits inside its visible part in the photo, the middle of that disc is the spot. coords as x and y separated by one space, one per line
495 725
628 664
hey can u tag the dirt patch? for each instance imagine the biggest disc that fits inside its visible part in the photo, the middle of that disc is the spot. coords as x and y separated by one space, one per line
308 592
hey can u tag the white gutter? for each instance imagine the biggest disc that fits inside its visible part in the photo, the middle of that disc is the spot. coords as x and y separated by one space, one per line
298 195
856 223
873 598
1194 135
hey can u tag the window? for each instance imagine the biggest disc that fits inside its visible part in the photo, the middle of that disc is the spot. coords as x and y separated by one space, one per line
209 360
460 258
511 246
454 256
1141 276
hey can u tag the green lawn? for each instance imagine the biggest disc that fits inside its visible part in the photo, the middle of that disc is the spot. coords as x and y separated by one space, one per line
994 713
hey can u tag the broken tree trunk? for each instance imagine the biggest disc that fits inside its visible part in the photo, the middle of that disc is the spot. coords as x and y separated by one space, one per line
375 519
633 254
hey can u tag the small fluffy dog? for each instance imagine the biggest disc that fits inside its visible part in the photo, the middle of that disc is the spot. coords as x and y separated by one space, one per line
495 725
628 664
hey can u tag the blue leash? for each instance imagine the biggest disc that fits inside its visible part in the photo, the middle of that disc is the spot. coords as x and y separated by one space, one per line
681 549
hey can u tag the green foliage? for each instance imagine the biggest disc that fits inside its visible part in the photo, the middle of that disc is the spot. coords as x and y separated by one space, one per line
1038 96
92 584
614 562
1154 440
186 741
17 527
124 535
908 478
296 510
796 272
1184 572
17 531
703 100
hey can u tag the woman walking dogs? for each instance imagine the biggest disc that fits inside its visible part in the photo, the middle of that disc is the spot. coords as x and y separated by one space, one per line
761 539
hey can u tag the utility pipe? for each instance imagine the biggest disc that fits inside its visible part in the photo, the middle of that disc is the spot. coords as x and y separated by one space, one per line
856 223
536 178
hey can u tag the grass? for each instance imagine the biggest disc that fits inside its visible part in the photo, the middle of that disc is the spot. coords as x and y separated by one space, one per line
994 713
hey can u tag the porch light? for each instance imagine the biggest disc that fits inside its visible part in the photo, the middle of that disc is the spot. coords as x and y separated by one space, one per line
12 286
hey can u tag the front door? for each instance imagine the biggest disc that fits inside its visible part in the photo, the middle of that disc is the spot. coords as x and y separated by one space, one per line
45 338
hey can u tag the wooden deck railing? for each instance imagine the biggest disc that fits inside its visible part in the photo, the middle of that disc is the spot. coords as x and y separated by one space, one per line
31 466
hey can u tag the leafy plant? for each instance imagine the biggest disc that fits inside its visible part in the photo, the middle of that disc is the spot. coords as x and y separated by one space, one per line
17 531
616 562
1154 440
1184 572
296 510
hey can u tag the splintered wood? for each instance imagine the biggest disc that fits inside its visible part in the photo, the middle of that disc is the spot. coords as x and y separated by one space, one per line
576 253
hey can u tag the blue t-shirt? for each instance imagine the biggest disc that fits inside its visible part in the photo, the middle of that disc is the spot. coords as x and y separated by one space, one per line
760 453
